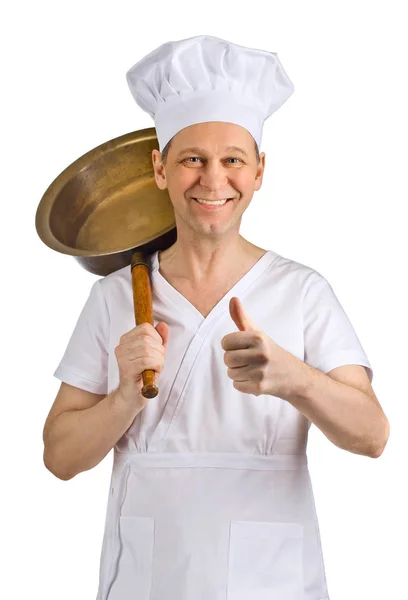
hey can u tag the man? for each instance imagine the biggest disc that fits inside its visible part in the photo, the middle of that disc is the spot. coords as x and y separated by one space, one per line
210 495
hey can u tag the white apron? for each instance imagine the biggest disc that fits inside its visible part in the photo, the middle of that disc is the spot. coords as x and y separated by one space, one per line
211 526
210 495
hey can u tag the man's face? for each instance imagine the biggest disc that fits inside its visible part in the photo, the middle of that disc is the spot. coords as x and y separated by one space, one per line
202 164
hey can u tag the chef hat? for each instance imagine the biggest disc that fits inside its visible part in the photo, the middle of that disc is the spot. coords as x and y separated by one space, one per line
205 78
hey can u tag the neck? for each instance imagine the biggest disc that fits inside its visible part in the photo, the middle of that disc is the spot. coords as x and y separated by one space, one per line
202 262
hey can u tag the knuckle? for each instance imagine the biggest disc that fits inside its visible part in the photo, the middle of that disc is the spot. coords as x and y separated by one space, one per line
261 357
148 362
257 335
264 359
261 376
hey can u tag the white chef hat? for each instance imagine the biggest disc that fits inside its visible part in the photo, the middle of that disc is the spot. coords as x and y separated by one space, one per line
205 78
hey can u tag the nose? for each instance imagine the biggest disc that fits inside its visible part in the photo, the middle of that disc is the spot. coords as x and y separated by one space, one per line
213 176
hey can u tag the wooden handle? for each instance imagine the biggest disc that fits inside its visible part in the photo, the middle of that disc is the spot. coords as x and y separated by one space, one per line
142 301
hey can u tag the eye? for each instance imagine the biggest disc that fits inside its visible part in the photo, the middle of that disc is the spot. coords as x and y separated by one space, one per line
196 159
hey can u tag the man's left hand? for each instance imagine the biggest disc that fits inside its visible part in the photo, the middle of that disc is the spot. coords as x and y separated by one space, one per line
256 364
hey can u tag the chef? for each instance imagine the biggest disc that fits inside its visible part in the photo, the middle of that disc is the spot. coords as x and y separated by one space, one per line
210 495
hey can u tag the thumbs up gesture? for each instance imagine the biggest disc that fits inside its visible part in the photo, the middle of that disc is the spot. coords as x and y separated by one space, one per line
256 364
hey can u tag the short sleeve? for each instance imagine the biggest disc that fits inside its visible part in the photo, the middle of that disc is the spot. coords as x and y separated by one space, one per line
85 361
329 337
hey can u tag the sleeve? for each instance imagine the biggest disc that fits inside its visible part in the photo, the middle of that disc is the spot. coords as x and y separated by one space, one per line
329 337
85 361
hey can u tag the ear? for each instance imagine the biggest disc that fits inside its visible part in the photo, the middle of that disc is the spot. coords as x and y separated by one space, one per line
159 170
259 172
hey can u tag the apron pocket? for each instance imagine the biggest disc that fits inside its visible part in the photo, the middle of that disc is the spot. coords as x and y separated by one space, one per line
265 561
134 571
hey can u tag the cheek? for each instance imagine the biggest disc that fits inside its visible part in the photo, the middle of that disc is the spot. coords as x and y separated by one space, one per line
243 181
183 182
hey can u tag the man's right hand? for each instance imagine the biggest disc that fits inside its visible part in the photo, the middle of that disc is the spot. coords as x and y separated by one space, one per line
143 347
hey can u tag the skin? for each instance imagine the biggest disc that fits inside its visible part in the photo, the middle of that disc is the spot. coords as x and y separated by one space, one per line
209 249
210 255
206 240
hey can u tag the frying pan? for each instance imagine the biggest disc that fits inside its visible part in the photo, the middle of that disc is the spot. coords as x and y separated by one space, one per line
106 211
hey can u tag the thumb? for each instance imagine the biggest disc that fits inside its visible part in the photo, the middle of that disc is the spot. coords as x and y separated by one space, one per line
163 330
239 316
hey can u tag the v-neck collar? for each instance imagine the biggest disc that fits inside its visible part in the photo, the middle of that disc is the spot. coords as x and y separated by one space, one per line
169 294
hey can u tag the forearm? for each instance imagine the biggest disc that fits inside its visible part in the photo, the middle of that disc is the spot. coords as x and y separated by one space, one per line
78 440
347 416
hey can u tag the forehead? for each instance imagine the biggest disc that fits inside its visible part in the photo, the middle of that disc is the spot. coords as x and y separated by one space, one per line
213 136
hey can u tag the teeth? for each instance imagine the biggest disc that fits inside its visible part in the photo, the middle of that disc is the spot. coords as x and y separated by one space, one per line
216 202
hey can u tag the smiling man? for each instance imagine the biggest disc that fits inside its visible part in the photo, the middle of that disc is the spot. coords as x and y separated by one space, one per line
211 171
210 496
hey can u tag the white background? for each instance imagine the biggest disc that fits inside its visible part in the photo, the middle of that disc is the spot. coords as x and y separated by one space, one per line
333 198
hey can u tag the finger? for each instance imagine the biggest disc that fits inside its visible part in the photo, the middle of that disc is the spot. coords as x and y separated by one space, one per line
237 358
246 387
163 329
141 344
241 339
239 374
142 329
247 373
239 316
139 364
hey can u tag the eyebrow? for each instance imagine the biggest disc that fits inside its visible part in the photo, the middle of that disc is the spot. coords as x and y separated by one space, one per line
202 151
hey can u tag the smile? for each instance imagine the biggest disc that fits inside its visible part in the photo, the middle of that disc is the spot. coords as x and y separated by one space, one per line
213 202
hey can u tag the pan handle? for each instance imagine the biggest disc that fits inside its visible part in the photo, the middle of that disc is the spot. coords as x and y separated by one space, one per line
142 301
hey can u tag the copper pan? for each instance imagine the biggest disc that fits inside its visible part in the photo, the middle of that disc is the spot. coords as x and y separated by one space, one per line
106 211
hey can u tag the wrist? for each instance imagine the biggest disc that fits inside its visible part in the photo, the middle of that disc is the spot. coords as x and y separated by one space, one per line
129 398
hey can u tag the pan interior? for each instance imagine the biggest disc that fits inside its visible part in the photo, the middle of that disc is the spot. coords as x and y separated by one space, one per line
125 217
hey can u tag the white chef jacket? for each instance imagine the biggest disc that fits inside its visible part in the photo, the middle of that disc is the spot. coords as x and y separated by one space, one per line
210 495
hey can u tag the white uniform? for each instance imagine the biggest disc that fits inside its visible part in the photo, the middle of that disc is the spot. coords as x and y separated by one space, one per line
210 495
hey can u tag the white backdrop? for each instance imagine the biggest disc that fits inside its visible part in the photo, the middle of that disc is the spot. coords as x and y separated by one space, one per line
333 198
